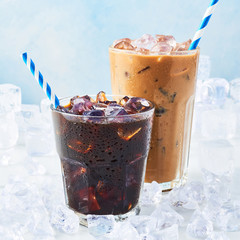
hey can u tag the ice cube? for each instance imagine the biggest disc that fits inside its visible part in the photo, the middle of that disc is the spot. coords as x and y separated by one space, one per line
34 167
188 196
24 209
166 216
121 40
147 41
220 88
235 89
80 107
136 104
46 110
204 67
18 220
99 225
170 233
217 187
168 39
8 130
199 226
161 47
124 45
216 156
206 93
51 190
143 224
126 231
10 98
115 110
64 219
77 99
45 105
101 97
124 100
100 106
42 226
219 124
96 113
198 91
39 139
211 209
29 114
217 236
234 107
184 46
228 217
199 108
8 157
151 193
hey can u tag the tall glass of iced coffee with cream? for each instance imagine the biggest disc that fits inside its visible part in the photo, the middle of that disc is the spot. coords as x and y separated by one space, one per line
161 70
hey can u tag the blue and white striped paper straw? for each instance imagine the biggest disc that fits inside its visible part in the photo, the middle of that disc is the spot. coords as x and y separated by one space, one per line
203 25
39 77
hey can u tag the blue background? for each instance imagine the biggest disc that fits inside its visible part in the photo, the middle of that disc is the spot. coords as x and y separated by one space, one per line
68 40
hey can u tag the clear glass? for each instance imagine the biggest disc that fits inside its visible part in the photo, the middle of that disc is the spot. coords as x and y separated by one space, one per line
103 160
168 80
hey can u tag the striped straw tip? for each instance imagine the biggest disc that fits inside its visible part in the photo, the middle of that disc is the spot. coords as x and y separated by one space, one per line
24 57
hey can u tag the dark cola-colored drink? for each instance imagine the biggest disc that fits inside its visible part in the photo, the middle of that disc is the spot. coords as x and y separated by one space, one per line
103 151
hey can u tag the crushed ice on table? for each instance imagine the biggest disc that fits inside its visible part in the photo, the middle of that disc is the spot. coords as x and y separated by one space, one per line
99 225
188 196
151 194
93 110
105 228
24 209
166 216
228 217
211 209
34 167
9 234
217 236
125 231
64 219
200 226
144 224
170 233
148 44
29 207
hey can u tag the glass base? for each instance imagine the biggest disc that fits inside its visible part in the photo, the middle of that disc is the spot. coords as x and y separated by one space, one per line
118 218
168 186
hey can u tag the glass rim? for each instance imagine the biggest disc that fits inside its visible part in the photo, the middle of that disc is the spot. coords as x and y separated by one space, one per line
172 53
152 108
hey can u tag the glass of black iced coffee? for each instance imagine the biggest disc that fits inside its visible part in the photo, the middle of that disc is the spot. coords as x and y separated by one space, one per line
103 146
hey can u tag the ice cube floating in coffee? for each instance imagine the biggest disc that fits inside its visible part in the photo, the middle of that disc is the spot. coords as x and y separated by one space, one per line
148 44
86 106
